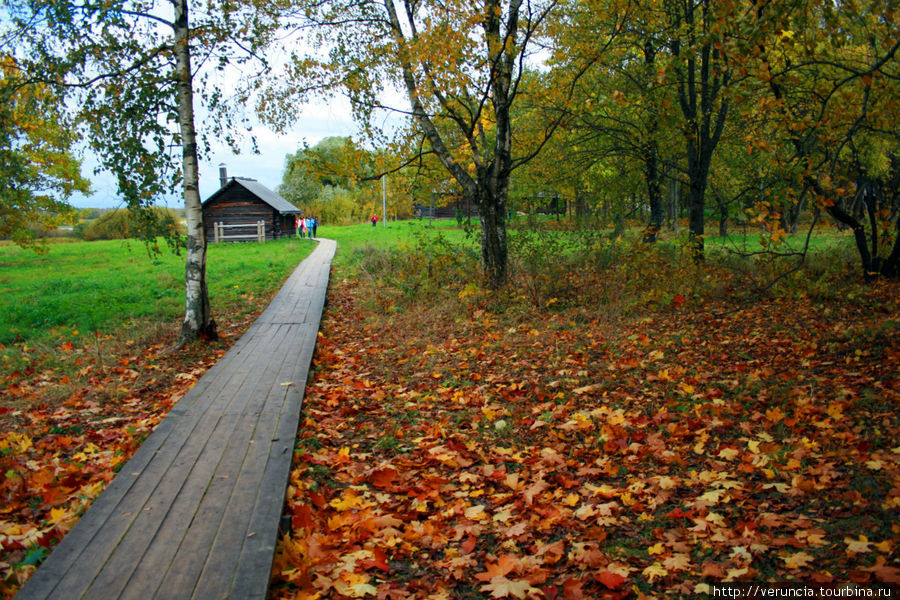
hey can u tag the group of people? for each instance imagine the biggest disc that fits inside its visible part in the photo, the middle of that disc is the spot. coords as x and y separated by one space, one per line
306 227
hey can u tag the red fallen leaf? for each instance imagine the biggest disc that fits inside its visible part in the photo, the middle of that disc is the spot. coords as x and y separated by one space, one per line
67 346
379 562
888 575
680 514
594 559
678 301
383 478
712 569
318 500
504 565
535 489
553 553
53 496
468 544
572 589
612 581
302 517
884 573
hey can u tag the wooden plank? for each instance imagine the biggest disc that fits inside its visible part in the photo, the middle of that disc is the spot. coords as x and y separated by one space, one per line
209 481
219 572
132 551
255 562
183 488
213 514
84 550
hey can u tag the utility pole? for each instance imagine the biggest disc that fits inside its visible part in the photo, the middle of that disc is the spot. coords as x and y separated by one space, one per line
384 200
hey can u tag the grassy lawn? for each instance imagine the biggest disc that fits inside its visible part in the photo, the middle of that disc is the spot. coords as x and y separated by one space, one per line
89 288
354 241
88 370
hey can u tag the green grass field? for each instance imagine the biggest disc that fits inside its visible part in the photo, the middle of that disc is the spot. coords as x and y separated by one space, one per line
101 286
354 240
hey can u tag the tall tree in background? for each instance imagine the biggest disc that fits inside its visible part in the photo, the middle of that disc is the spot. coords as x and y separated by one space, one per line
128 67
38 172
458 64
832 77
701 74
624 102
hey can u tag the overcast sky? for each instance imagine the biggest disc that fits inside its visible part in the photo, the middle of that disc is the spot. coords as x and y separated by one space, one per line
317 121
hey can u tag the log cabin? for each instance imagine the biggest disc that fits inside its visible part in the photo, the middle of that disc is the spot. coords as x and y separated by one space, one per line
240 204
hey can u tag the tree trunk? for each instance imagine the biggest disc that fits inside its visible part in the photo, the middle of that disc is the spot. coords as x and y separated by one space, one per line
723 212
696 219
702 77
654 195
493 240
198 315
673 204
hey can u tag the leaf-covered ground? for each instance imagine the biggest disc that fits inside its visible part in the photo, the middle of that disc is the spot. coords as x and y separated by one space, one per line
63 437
565 455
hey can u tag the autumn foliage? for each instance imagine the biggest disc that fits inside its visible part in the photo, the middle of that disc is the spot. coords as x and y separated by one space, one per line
66 431
499 453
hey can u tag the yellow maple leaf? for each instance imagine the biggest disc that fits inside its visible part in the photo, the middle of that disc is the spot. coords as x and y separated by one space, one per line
679 561
859 545
666 483
571 500
657 548
504 515
729 453
774 414
653 571
57 515
501 587
798 561
476 513
835 411
349 499
713 496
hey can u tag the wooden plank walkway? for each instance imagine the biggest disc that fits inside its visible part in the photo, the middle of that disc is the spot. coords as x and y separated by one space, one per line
195 512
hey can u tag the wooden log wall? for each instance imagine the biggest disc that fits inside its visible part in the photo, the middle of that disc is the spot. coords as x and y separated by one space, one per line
239 207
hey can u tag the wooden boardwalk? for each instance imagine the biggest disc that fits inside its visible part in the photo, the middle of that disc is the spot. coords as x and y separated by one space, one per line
195 512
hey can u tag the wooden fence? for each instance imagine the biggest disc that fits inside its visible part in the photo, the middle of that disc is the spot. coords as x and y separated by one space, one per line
259 234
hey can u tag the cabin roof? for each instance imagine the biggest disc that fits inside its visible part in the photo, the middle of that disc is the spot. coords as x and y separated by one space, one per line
260 191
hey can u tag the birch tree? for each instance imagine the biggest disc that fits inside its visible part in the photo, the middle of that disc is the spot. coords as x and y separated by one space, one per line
127 65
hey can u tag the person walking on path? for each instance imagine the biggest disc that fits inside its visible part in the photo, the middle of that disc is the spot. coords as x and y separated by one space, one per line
374 219
297 225
315 225
303 228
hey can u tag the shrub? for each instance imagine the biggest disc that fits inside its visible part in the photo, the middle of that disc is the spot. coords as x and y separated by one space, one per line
125 224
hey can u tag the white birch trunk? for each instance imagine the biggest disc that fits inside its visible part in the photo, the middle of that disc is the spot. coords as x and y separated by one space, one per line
197 315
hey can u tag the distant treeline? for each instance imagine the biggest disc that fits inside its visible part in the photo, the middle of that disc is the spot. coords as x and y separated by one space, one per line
117 224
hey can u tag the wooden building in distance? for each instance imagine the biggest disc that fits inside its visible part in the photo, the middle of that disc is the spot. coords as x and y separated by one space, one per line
238 207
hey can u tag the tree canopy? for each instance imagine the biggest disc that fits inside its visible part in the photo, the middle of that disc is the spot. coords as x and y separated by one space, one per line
38 168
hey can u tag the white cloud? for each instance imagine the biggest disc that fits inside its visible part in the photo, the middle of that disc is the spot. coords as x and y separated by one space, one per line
316 121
